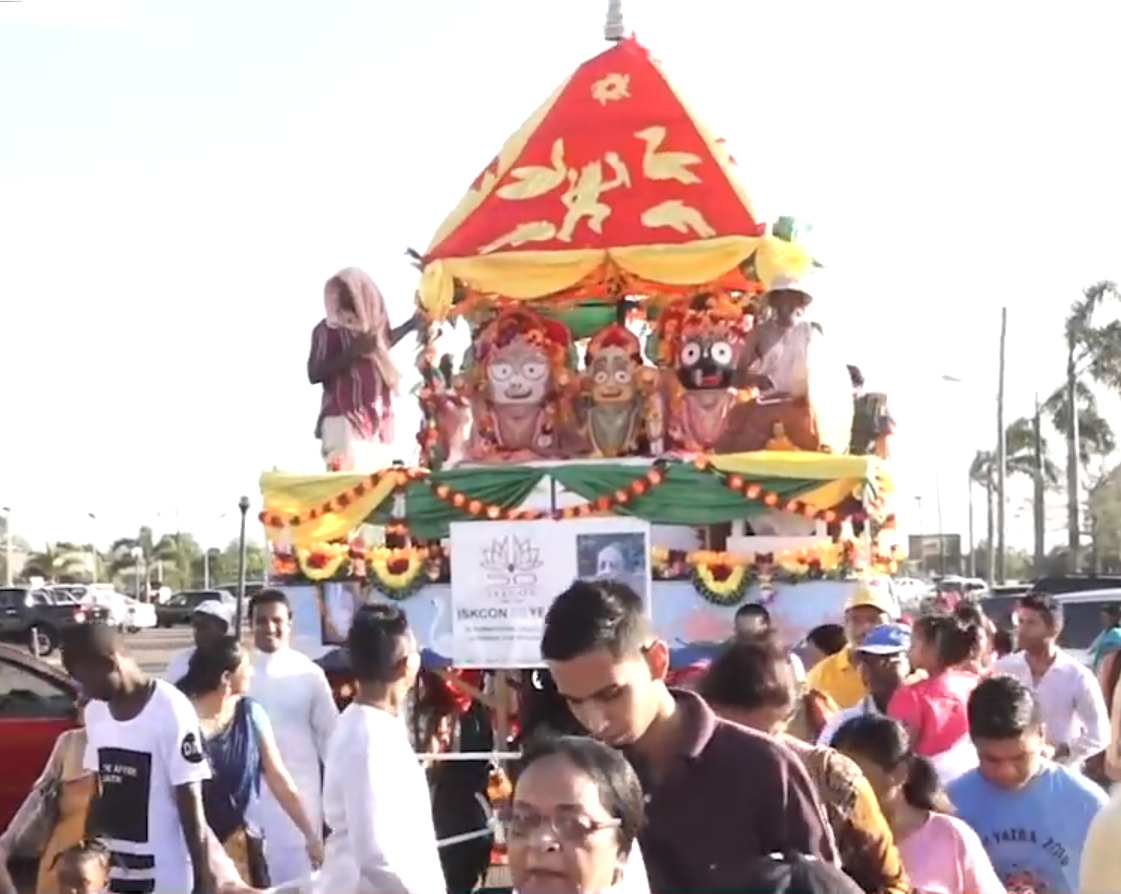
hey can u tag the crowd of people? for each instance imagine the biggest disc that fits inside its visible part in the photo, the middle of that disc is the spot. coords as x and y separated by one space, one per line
891 757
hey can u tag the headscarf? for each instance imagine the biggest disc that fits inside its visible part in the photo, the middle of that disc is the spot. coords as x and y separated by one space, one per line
370 315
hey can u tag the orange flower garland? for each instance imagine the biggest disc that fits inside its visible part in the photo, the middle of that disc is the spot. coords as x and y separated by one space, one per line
340 501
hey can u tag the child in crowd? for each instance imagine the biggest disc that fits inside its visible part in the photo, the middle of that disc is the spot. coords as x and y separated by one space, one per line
83 868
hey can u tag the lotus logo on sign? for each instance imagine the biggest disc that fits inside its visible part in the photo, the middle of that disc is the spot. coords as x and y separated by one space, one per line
511 565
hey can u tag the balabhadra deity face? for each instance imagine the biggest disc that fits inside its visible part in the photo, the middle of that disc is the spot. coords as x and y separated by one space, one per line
706 361
518 374
612 371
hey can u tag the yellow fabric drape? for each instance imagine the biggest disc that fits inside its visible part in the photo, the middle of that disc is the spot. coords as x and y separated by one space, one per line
530 275
286 495
841 476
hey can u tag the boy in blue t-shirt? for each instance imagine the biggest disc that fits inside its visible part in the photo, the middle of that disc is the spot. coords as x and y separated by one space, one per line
1032 815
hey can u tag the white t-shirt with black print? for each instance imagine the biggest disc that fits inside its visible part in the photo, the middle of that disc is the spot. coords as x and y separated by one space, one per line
140 763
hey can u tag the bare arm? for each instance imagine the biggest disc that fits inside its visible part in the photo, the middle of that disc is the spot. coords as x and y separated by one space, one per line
399 332
188 802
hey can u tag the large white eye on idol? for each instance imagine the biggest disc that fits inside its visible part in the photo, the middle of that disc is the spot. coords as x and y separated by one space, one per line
534 370
721 353
622 376
690 353
500 372
601 377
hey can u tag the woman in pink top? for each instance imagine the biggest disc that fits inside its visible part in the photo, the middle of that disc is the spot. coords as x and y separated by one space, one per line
934 709
942 855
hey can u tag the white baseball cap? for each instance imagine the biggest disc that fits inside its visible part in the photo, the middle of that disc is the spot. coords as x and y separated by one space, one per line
788 282
216 608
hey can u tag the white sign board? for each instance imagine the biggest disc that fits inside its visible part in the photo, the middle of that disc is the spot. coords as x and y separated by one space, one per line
505 575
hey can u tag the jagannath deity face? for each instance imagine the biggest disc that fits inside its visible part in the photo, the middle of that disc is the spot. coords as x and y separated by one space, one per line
518 374
706 361
612 372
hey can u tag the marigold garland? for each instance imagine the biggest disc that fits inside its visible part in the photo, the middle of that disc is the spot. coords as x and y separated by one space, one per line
639 486
341 500
720 577
398 573
720 584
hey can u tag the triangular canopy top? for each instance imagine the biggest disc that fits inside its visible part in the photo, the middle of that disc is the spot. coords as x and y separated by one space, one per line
613 170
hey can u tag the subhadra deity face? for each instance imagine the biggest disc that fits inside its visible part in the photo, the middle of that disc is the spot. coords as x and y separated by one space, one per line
706 361
612 371
518 374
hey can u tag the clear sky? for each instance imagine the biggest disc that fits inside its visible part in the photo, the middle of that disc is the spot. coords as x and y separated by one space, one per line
177 180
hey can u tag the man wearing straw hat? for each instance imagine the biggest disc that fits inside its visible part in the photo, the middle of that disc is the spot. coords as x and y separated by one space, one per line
789 359
775 357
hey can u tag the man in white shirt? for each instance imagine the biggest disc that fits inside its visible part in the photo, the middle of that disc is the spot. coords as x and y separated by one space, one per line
295 694
1075 719
375 793
211 620
882 661
144 744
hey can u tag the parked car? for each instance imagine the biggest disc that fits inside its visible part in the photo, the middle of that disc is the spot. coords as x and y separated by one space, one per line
1056 584
1082 619
179 608
125 612
29 615
36 705
138 615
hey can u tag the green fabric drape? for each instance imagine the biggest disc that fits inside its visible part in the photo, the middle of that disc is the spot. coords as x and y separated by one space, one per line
428 515
686 496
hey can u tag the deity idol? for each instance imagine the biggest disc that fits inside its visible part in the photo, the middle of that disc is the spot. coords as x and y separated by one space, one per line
699 341
805 397
621 408
519 374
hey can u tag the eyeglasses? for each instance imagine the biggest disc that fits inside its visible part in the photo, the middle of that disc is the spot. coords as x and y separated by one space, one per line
566 828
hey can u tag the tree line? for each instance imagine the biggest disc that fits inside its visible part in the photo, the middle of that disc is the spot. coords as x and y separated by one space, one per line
1089 476
137 564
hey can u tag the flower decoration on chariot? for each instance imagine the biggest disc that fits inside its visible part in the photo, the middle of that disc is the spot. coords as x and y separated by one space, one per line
702 337
519 324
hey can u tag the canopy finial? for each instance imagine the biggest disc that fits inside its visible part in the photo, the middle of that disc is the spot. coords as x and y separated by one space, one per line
614 29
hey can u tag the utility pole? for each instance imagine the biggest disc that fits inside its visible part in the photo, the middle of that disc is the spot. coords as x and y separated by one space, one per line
1074 483
972 538
1038 504
1001 455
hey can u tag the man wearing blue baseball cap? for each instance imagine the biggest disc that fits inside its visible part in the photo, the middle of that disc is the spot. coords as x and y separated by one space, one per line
882 661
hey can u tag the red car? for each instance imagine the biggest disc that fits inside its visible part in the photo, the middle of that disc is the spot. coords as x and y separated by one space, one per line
36 705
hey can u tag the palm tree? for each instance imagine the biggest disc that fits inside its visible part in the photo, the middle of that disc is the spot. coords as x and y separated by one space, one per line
58 562
1020 459
1096 438
142 556
1094 354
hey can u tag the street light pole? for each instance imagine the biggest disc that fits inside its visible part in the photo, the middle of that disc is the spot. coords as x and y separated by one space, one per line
93 547
243 508
8 572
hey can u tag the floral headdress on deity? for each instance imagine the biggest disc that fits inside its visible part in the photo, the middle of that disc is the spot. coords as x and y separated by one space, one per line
706 314
518 322
613 336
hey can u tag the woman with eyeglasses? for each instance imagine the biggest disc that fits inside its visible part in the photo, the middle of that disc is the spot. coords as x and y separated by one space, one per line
576 809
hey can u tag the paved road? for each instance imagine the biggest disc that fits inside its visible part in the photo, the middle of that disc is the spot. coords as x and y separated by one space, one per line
152 648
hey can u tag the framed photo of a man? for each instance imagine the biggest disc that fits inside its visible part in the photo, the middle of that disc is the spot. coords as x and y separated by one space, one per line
623 556
338 601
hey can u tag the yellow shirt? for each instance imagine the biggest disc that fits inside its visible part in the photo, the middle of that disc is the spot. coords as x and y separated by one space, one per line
1100 869
838 678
